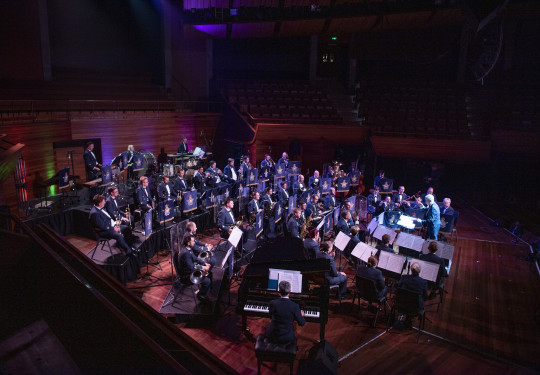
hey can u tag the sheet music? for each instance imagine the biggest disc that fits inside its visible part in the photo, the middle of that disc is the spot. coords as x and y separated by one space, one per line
391 262
406 222
363 251
445 250
235 236
294 278
341 241
372 225
227 256
429 271
410 241
382 230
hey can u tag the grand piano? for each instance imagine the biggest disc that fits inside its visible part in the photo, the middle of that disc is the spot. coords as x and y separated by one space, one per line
286 254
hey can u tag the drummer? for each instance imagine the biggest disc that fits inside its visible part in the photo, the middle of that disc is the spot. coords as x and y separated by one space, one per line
183 147
162 159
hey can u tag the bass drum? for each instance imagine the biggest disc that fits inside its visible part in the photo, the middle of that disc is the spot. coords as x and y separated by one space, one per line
149 164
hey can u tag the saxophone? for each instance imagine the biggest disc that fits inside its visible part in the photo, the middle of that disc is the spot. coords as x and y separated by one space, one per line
304 229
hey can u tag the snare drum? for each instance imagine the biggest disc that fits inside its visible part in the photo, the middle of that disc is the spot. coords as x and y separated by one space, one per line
190 163
168 170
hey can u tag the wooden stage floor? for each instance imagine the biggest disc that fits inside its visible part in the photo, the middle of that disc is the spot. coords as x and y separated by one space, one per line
488 324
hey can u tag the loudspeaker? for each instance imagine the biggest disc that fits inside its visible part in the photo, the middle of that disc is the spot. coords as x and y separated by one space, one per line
322 360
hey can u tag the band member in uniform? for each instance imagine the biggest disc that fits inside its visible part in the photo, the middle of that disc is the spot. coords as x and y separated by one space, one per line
225 219
384 245
199 179
111 205
302 206
183 147
313 208
429 192
215 175
374 199
431 257
130 155
244 168
284 160
267 198
105 225
347 206
284 313
311 243
447 208
330 172
299 186
254 207
315 180
400 197
372 273
187 261
180 184
330 200
144 199
432 218
284 194
267 162
355 239
90 162
292 225
377 181
385 205
230 173
417 204
199 246
333 276
166 190
416 284
342 225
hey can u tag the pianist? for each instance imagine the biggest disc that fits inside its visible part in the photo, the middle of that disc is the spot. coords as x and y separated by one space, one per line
283 313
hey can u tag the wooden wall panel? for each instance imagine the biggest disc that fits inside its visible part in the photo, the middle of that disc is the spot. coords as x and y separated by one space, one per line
317 141
38 154
461 151
147 135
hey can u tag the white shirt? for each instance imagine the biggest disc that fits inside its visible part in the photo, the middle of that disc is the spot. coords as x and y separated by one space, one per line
234 177
113 223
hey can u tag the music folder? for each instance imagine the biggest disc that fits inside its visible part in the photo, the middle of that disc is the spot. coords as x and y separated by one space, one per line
341 241
428 271
382 230
445 250
410 241
391 262
235 236
372 225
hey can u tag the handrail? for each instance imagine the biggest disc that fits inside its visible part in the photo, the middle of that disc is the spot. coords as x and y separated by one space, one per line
176 348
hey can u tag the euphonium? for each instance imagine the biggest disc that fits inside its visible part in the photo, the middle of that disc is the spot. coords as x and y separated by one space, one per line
197 275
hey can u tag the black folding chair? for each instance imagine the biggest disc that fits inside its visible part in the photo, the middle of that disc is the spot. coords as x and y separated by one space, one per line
367 290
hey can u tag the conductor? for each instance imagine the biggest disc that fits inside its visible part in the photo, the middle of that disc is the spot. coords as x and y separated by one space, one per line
283 313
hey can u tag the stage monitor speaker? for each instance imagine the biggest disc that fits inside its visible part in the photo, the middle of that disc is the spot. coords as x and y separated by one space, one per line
322 360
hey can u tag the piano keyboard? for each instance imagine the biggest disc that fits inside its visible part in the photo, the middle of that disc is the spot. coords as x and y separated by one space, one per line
262 307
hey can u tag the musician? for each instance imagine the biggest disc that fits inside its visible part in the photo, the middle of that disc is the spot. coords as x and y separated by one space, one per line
385 205
292 225
384 245
90 162
355 239
302 206
299 186
284 194
434 258
166 190
330 173
342 225
162 159
183 147
105 225
447 208
330 200
225 219
333 276
399 197
312 207
372 273
230 173
244 168
267 162
199 246
130 156
347 206
187 260
432 218
374 199
144 199
267 198
416 284
214 173
180 184
284 313
315 180
377 181
429 192
111 205
284 160
254 207
417 204
311 243
199 179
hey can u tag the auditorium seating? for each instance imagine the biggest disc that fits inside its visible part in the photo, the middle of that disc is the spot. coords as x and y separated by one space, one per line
281 101
517 109
413 109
